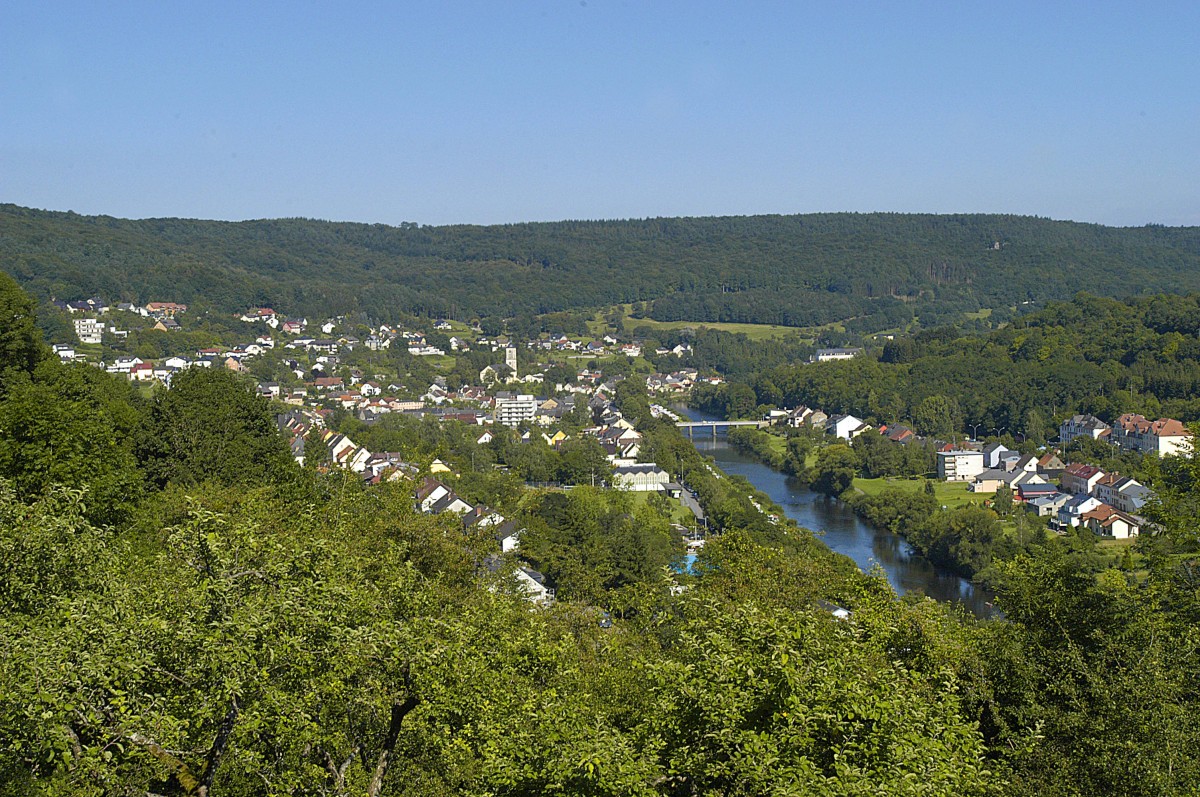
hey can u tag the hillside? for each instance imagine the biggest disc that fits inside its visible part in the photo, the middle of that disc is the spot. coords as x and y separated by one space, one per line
792 270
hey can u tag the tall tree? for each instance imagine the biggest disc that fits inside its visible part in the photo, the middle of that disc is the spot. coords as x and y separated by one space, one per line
210 425
21 346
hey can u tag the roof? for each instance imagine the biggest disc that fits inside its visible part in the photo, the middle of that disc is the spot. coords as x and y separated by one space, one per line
508 528
1082 471
643 467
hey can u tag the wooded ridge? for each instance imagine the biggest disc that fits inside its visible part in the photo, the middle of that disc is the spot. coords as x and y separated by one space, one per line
798 270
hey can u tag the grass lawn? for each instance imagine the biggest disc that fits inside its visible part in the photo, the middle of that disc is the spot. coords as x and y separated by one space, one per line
679 513
778 444
1110 546
753 331
949 494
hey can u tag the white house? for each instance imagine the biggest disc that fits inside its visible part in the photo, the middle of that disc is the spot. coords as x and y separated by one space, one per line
533 584
1072 512
846 427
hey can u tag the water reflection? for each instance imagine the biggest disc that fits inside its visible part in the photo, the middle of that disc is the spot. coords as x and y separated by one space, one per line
844 532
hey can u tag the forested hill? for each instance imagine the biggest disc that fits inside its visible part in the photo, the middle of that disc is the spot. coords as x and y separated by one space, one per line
796 270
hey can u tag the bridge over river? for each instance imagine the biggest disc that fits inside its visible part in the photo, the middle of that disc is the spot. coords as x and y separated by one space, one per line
691 426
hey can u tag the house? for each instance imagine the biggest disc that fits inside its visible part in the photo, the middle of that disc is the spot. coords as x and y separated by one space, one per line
324 383
1028 491
643 477
829 355
959 466
498 372
1026 462
898 434
389 466
533 584
1122 493
992 479
1082 426
254 314
993 454
482 517
163 309
508 534
1107 521
344 452
450 503
124 365
846 427
142 372
1050 465
430 492
555 440
1072 512
1080 479
1047 505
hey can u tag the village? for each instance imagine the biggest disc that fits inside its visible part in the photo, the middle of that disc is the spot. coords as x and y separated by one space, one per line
318 383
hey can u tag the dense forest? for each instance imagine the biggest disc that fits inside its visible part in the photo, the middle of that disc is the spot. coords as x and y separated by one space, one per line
1091 354
802 270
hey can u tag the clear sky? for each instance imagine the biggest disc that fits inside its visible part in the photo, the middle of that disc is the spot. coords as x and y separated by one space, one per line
518 110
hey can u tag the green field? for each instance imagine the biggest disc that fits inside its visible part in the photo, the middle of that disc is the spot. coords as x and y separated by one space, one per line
679 513
949 494
753 331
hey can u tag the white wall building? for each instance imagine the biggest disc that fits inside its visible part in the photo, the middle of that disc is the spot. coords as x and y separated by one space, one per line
89 330
959 466
641 478
512 411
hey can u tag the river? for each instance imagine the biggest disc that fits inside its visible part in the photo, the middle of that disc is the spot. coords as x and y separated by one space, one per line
843 530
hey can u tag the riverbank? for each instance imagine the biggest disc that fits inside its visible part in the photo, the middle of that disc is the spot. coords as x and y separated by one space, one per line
843 531
943 521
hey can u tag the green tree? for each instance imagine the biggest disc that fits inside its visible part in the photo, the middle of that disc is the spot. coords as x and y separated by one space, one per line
21 346
753 702
72 426
938 416
834 471
582 461
211 425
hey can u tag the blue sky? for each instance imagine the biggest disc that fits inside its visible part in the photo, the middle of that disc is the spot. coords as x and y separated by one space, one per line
485 112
